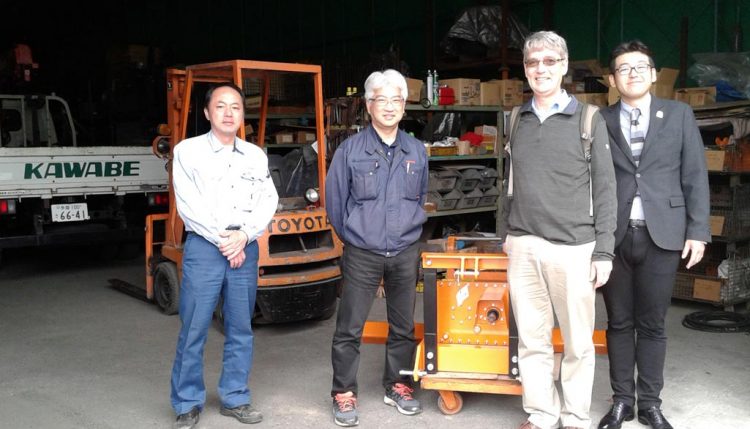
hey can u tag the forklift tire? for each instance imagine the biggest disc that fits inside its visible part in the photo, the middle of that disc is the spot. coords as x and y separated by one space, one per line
443 407
219 315
167 288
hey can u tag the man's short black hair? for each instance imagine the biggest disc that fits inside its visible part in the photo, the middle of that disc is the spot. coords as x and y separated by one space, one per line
227 84
627 47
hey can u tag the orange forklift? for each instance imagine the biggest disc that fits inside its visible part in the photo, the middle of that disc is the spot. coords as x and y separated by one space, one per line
298 268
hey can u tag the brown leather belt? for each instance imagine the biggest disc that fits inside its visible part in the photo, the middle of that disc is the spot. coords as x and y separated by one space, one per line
637 223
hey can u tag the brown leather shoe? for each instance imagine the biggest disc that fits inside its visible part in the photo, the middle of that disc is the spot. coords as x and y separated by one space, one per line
528 425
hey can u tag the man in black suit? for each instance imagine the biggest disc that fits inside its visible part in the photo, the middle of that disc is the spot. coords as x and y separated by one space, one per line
662 216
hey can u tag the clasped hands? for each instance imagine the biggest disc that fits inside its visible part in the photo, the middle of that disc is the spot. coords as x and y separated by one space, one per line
233 247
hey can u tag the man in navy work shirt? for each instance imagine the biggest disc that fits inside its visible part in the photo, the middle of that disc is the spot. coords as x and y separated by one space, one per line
375 190
226 198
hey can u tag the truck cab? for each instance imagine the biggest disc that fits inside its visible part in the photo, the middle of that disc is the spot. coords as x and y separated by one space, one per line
55 192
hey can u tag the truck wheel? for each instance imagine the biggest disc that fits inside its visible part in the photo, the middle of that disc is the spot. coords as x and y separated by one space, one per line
167 287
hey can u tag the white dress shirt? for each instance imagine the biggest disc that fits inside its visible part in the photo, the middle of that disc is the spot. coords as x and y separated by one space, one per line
636 211
217 186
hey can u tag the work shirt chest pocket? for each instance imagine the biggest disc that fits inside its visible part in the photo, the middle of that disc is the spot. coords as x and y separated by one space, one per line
413 181
364 180
248 187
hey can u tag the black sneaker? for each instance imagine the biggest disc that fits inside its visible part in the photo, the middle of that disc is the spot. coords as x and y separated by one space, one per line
399 395
187 420
345 409
244 413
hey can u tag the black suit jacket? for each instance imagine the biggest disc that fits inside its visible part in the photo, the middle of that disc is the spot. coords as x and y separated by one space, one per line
671 176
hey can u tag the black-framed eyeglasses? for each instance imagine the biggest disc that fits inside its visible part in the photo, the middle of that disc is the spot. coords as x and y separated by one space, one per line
625 69
382 101
548 62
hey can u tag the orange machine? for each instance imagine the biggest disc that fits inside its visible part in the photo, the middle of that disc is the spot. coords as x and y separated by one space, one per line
299 254
469 341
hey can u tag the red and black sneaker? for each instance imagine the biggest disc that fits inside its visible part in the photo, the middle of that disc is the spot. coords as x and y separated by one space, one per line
399 395
345 409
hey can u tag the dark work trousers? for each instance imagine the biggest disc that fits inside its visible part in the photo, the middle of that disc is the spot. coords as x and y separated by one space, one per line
362 271
637 297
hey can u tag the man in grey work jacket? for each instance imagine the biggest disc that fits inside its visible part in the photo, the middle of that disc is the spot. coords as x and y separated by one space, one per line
375 190
560 238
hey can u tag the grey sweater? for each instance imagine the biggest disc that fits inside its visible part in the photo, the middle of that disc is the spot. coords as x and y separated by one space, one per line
551 182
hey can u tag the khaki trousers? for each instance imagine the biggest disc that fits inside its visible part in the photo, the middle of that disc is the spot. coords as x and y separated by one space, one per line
549 280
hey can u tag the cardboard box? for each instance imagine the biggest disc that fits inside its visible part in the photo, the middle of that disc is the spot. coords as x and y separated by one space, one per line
510 91
489 94
489 137
662 88
465 90
304 137
415 90
283 138
717 225
253 102
597 99
696 96
708 290
715 160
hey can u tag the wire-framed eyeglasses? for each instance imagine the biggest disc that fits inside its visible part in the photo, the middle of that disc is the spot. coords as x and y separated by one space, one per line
548 62
625 69
382 101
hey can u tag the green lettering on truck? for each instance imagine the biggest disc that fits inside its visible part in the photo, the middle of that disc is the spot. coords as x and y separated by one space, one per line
61 170
131 168
32 170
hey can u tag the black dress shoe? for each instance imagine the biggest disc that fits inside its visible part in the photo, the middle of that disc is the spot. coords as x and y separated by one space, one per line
187 420
617 414
653 417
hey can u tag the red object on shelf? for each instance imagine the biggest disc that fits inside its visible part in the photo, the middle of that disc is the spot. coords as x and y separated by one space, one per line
473 138
446 96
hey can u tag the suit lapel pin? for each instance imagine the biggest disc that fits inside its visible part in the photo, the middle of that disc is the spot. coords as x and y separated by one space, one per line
659 114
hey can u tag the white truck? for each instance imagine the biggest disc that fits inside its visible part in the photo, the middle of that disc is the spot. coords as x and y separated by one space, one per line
54 192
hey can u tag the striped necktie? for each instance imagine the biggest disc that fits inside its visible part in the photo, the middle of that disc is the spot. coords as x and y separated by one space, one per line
636 136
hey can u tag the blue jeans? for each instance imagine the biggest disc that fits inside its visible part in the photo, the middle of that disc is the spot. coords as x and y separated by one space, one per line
205 275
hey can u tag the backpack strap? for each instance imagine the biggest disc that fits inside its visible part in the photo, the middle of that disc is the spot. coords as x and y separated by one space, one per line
515 118
587 138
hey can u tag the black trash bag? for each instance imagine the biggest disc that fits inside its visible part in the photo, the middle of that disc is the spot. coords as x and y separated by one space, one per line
477 33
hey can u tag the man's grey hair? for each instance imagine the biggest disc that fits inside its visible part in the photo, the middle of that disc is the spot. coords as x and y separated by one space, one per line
545 40
390 77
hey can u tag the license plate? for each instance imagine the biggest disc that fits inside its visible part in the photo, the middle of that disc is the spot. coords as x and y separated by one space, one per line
69 212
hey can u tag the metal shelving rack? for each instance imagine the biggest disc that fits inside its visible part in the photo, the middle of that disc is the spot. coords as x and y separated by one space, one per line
497 157
730 206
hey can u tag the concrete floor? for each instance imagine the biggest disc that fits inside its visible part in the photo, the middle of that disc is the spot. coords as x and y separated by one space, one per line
75 353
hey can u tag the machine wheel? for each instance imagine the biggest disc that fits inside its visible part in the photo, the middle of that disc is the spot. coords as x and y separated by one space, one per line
167 287
443 407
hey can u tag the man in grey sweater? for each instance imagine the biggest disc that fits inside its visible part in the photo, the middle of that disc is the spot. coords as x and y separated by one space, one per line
560 222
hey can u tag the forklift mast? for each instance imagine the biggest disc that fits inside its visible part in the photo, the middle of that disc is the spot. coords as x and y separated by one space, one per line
299 254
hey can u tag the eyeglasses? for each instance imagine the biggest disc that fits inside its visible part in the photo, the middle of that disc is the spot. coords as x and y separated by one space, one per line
381 101
625 69
548 62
